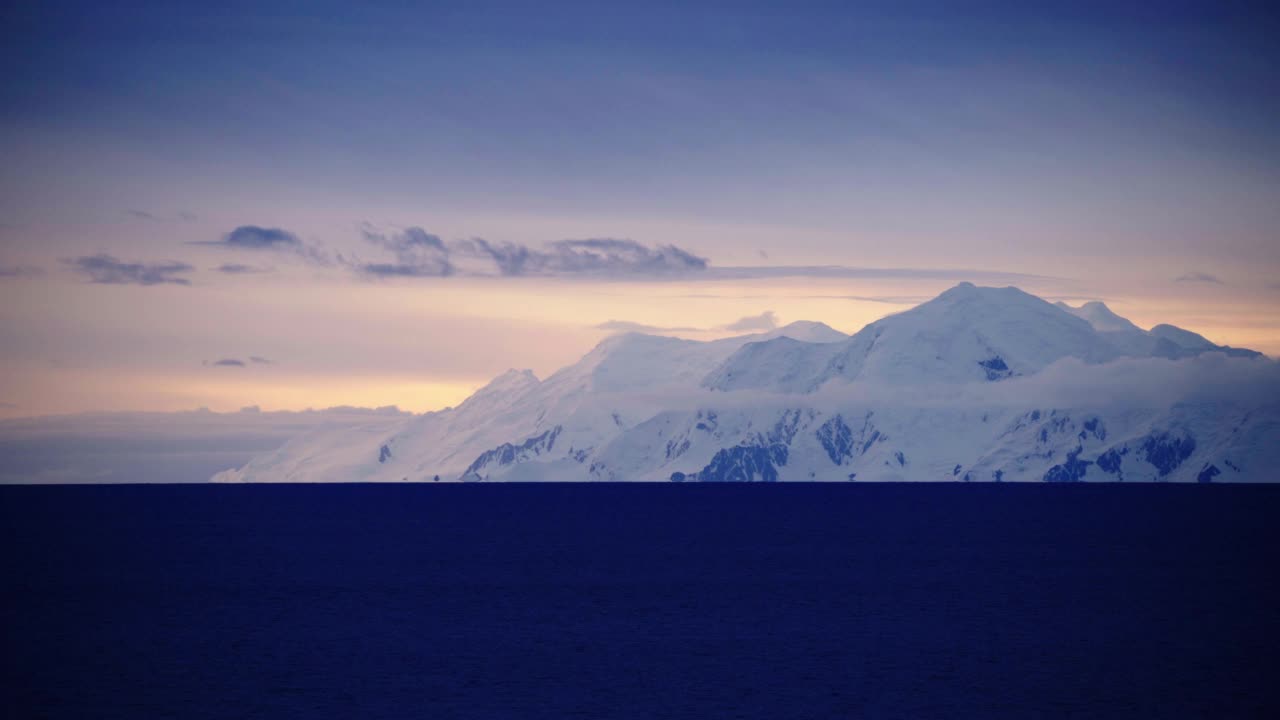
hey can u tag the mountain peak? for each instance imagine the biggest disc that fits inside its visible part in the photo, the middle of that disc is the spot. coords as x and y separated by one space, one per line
510 380
808 331
967 293
1101 317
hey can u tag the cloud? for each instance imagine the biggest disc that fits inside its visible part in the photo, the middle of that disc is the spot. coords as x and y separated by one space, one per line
257 239
237 362
1127 384
418 254
760 272
20 271
594 256
241 269
764 321
8 406
628 326
105 269
159 447
1198 277
183 216
882 299
422 254
252 237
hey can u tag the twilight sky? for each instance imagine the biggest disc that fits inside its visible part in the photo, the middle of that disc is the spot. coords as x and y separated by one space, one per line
311 204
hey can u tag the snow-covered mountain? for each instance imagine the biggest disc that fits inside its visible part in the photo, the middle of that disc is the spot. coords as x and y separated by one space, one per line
1160 341
1100 317
976 384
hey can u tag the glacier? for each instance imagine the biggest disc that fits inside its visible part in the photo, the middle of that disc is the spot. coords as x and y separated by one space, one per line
978 384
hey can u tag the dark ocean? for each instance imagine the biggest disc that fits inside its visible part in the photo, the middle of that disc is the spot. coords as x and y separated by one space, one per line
641 601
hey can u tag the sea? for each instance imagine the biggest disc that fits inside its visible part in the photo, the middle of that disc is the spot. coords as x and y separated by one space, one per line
640 601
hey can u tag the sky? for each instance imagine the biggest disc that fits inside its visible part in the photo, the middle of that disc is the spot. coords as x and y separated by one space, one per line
298 205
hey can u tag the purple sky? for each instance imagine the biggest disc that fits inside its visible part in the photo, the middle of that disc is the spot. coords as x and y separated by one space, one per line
375 202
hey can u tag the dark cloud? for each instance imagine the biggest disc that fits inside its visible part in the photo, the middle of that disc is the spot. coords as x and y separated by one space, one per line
1198 277
408 243
105 269
252 237
255 238
628 326
20 271
241 269
764 321
421 254
511 259
228 362
260 360
608 256
144 215
418 254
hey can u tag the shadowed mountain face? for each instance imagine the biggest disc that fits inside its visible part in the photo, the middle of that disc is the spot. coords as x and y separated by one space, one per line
976 384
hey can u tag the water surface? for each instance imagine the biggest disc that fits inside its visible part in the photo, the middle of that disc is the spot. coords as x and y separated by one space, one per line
637 601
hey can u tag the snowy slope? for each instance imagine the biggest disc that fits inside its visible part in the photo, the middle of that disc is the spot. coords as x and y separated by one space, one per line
965 334
1165 341
1100 317
977 384
621 382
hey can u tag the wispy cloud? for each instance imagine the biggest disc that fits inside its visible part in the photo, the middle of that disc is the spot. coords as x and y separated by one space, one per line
107 270
237 362
183 216
628 326
882 299
759 272
594 256
20 271
242 269
766 320
1198 277
422 254
418 254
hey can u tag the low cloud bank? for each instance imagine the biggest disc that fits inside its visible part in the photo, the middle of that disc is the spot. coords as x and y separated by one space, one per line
1130 383
158 447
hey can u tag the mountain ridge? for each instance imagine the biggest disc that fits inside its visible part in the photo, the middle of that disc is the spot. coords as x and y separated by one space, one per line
977 384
